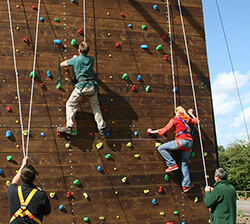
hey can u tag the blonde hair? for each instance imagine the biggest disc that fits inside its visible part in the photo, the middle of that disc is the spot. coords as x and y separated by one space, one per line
180 110
84 48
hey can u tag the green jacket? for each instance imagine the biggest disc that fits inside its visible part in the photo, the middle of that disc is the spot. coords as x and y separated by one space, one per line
222 201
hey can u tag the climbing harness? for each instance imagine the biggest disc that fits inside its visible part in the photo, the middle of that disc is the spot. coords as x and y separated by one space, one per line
194 96
25 152
23 210
188 130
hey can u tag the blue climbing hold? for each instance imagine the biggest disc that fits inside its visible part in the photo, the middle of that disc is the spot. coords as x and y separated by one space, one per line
107 134
130 25
8 134
49 74
154 201
139 78
1 171
99 168
42 134
144 46
60 207
58 42
41 19
73 1
136 133
183 222
155 7
175 89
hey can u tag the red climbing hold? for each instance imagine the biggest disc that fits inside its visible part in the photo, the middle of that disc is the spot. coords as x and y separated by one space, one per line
68 194
90 133
80 31
164 37
169 223
165 57
133 88
106 109
8 108
118 44
160 189
34 7
41 85
122 14
26 40
57 133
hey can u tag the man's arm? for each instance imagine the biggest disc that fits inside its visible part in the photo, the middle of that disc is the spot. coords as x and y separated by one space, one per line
211 197
17 178
64 63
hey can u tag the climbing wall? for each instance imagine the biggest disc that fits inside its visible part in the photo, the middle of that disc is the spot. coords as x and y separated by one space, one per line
118 179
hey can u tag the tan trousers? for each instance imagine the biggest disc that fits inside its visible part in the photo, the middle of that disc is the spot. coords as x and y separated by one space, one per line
74 100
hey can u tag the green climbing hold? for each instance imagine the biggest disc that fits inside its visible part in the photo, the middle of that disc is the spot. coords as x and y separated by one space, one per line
147 88
101 218
129 144
86 219
205 154
124 179
8 183
125 76
162 213
74 132
107 156
192 154
144 27
176 212
31 74
99 145
73 42
159 47
9 158
76 182
59 86
57 19
166 178
196 199
137 156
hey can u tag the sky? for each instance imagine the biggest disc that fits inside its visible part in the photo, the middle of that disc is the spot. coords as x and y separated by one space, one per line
236 20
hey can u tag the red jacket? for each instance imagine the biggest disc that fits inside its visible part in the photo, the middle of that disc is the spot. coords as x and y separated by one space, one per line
179 126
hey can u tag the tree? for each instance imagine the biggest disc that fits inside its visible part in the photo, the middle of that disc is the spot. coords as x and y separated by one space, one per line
236 159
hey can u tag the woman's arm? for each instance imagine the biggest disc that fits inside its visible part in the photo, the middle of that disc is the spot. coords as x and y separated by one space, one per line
163 130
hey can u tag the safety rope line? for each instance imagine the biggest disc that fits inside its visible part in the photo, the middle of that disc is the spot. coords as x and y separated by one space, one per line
194 96
84 19
171 52
235 80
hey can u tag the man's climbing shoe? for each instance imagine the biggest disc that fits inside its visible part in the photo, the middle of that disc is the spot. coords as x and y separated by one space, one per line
186 189
105 131
67 130
171 168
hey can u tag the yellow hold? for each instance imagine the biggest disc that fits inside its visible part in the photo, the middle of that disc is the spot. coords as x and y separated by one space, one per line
99 145
146 191
157 144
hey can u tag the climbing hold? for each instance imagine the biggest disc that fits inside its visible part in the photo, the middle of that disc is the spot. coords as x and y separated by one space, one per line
8 108
72 1
118 217
9 158
122 14
76 182
26 40
175 89
125 76
52 194
154 202
57 19
16 97
86 219
73 42
108 14
205 154
147 88
157 144
17 121
112 101
162 213
109 34
183 222
144 27
8 183
58 133
17 50
139 78
144 46
80 31
59 86
118 45
111 77
159 47
106 109
99 145
155 7
124 179
110 55
169 223
60 207
34 7
130 25
58 42
85 195
18 6
68 194
1 171
164 37
41 85
107 156
137 156
136 133
192 154
33 73
196 199
166 177
48 74
8 134
99 168
146 191
74 132
67 145
41 19
116 192
160 190
115 168
176 212
25 132
42 134
17 146
129 144
207 176
18 28
165 57
133 88
102 218
90 133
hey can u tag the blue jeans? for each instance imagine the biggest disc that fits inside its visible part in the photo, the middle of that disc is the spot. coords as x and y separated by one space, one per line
172 146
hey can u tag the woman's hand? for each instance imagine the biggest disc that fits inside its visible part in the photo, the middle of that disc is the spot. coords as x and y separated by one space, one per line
150 131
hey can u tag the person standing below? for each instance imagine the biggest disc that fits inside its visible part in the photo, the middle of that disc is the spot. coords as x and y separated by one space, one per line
183 142
221 199
27 204
86 86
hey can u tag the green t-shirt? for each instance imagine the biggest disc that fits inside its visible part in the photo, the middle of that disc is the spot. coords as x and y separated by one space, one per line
83 66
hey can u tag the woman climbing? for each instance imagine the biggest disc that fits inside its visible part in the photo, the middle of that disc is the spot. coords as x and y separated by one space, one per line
183 141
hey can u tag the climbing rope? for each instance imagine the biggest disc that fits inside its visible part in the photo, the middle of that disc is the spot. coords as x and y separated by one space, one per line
25 152
235 80
84 19
171 52
194 97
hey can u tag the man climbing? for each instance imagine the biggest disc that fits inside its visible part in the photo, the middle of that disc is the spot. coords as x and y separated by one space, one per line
27 203
221 199
86 86
183 142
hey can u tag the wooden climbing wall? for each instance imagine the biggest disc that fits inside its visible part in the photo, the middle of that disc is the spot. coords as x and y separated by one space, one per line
126 111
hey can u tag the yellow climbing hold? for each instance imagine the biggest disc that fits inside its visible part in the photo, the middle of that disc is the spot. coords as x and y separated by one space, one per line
85 195
25 132
137 156
111 77
8 183
101 218
114 145
111 100
124 179
196 199
146 191
116 192
162 213
129 144
52 194
17 28
157 144
17 121
109 34
17 146
115 168
17 50
67 145
99 145
118 217
16 97
108 14
110 55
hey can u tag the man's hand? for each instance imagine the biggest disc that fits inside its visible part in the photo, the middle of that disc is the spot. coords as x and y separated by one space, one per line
208 189
75 56
25 161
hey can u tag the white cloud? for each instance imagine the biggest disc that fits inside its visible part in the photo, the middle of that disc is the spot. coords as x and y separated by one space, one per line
238 121
246 98
223 104
224 82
